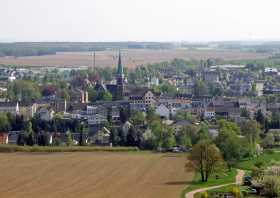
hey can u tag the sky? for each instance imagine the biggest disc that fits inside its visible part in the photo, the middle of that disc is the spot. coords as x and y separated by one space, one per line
139 20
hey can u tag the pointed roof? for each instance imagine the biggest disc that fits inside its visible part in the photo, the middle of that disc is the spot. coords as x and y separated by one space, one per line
120 67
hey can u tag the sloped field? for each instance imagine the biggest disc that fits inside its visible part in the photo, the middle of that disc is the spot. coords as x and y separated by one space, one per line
95 175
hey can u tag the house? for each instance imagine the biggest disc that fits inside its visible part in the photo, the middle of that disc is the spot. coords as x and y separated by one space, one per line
9 107
102 137
126 126
4 138
259 87
14 137
26 109
209 112
211 76
270 71
163 111
77 137
141 98
79 96
45 113
114 114
201 101
96 115
227 108
179 125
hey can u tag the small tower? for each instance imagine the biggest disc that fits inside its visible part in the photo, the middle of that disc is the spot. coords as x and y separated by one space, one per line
120 79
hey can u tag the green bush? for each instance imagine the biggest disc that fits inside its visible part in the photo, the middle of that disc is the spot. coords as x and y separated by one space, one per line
50 149
236 192
269 151
260 163
204 195
272 186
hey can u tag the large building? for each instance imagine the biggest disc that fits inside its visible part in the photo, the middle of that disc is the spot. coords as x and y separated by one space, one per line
117 90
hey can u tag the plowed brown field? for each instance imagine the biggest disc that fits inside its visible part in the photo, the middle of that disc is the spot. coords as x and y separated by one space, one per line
131 57
93 175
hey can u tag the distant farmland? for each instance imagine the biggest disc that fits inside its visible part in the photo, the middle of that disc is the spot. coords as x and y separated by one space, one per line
92 175
131 57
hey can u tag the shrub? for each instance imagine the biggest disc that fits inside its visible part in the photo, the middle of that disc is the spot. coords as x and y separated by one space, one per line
235 191
272 186
259 164
204 195
49 149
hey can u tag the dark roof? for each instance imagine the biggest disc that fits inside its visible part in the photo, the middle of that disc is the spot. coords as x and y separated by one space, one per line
139 91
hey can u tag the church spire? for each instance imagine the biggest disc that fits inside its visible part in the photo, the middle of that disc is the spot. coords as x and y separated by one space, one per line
120 67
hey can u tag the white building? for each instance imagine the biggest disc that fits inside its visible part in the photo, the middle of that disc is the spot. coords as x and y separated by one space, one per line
163 111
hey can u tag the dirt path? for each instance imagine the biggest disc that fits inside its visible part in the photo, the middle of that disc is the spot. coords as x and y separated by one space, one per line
238 181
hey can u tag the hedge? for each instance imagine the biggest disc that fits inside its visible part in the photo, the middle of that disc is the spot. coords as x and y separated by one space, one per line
49 149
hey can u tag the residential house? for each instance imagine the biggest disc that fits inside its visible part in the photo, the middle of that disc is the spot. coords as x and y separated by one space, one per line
227 108
259 87
163 111
209 112
179 125
45 113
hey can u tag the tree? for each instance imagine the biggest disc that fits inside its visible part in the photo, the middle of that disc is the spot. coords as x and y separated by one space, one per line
202 133
28 134
168 139
4 122
23 90
182 115
228 142
260 118
269 140
105 96
132 138
207 159
200 88
138 118
92 94
69 140
251 131
183 139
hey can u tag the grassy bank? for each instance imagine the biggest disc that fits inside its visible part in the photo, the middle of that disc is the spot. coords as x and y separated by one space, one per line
50 149
228 177
213 192
267 157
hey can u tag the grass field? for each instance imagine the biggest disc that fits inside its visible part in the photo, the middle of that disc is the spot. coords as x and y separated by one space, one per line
131 57
95 175
267 158
227 177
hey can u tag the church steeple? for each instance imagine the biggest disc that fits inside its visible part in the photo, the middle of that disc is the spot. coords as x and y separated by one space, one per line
120 67
120 79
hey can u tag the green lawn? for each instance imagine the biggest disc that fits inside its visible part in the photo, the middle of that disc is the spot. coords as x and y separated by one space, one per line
247 164
228 177
217 190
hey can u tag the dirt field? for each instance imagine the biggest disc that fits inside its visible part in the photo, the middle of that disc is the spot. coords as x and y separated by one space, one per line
94 175
131 58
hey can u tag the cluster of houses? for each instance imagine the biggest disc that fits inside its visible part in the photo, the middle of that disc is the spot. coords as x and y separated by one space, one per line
234 78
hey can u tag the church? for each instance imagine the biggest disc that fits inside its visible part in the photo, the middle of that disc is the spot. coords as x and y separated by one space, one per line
117 90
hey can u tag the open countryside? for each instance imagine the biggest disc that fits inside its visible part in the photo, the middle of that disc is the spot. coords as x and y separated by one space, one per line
99 175
133 57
